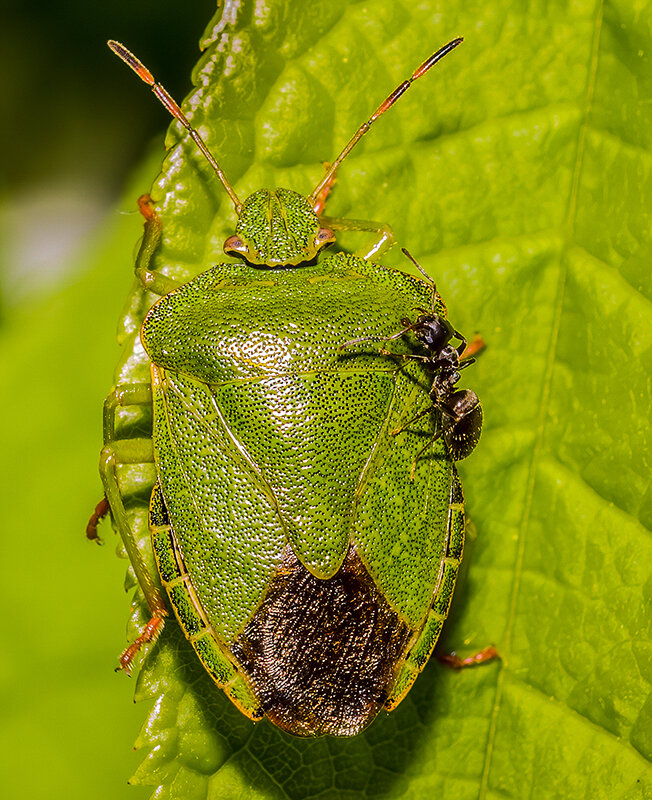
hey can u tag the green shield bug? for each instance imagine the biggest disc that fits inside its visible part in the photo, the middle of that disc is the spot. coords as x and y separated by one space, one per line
306 515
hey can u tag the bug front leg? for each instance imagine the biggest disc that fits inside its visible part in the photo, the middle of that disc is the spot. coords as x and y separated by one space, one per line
384 234
151 281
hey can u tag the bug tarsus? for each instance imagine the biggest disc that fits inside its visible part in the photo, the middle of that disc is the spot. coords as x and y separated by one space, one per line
101 510
150 633
454 661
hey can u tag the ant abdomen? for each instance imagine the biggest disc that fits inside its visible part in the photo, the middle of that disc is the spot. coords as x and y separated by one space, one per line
461 423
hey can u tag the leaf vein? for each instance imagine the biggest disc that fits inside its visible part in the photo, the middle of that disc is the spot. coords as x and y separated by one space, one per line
545 395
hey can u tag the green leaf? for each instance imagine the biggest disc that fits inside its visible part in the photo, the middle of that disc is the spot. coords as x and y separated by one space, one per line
519 173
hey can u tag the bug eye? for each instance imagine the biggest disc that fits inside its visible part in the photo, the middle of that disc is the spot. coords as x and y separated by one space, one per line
324 236
235 246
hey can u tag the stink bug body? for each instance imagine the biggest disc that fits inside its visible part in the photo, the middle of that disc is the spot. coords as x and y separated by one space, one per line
310 574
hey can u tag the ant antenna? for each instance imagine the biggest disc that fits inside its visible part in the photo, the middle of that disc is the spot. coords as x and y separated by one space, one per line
435 293
384 106
163 95
419 267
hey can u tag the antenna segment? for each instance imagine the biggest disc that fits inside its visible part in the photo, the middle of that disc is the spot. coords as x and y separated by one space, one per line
163 95
384 106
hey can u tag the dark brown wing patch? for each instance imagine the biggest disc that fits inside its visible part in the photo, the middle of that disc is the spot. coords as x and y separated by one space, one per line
321 654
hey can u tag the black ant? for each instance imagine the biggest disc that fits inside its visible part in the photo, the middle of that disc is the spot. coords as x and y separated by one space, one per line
461 412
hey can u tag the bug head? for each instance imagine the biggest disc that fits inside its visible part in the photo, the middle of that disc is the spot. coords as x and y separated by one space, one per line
277 229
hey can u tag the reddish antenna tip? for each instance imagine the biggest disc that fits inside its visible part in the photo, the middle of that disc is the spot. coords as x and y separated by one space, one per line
165 98
435 57
130 60
387 103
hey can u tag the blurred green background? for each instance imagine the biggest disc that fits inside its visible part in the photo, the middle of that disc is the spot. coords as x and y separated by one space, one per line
75 126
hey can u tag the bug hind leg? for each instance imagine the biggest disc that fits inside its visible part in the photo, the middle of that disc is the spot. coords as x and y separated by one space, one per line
454 661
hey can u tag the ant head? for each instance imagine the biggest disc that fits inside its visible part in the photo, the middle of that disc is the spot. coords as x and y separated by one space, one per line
434 332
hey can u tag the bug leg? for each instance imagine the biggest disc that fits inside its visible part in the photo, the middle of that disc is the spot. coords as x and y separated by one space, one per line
320 202
150 633
384 234
101 510
130 394
150 280
453 661
473 348
125 452
132 451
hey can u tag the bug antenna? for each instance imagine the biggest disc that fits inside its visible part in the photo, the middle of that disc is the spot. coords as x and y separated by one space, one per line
164 97
384 106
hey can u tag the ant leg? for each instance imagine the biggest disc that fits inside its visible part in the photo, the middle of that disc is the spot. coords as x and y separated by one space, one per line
423 413
466 364
410 326
430 442
406 356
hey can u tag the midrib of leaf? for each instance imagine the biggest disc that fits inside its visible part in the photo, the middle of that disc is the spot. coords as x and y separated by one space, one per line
569 233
